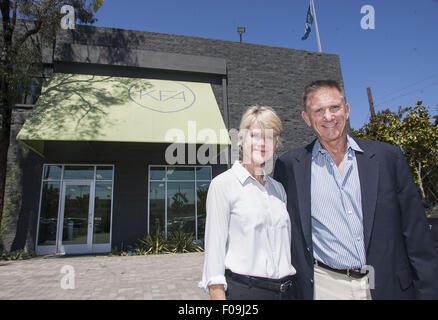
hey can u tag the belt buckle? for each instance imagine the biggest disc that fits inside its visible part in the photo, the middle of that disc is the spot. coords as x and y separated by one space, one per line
285 286
349 274
359 271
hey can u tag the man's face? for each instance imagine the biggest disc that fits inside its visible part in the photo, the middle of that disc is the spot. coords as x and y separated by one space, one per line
327 114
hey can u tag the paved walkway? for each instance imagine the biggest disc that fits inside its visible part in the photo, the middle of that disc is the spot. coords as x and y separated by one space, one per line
162 277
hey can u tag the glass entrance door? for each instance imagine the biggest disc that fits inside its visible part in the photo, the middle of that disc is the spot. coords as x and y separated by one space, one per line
75 228
75 209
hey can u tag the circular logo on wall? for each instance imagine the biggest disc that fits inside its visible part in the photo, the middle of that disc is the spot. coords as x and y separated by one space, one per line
162 95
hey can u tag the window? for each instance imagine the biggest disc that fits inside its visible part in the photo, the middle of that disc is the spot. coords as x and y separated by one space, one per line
177 197
49 213
58 186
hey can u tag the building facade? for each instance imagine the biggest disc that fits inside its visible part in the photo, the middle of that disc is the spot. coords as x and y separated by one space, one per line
90 171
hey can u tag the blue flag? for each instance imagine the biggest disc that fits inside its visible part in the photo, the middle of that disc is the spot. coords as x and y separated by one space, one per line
309 22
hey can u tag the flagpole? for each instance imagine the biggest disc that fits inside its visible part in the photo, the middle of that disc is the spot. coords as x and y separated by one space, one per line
316 26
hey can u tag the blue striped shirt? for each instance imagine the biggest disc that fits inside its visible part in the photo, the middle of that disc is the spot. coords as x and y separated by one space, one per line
337 221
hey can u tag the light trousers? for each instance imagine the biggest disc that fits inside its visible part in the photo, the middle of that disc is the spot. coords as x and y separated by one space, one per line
330 285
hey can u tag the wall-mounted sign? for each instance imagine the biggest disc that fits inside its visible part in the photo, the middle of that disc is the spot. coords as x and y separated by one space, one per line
162 96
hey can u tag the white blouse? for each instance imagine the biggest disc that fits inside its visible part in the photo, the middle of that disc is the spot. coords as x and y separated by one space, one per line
248 228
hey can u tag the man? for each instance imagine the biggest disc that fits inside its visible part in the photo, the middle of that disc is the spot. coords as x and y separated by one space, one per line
359 229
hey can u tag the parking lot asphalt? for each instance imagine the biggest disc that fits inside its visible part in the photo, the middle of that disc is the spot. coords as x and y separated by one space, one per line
150 277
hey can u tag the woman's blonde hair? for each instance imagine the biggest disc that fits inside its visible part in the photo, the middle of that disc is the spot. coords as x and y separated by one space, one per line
265 116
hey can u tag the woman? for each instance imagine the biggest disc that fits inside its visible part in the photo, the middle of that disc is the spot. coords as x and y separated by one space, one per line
248 233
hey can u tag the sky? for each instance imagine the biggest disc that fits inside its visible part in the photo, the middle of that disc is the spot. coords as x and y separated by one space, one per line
398 59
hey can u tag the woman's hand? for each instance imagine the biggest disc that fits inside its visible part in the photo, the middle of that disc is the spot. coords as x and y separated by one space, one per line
217 292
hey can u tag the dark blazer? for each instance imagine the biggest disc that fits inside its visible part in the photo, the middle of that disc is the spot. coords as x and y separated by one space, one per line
398 241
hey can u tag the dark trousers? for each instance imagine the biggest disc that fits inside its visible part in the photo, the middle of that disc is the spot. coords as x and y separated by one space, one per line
240 291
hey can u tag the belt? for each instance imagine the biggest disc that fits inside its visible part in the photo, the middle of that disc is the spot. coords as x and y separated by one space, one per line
352 273
277 285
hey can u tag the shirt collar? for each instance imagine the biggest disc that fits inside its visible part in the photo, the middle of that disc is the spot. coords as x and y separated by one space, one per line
242 174
351 145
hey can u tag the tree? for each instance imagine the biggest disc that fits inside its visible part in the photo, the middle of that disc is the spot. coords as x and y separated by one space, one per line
414 131
28 26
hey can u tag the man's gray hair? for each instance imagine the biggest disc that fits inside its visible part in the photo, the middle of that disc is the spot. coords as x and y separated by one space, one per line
319 84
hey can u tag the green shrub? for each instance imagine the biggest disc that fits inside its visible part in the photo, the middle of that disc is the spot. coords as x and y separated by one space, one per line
432 210
153 244
180 242
17 255
176 242
141 251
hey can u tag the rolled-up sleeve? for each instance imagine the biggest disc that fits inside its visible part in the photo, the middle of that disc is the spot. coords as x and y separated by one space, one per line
216 234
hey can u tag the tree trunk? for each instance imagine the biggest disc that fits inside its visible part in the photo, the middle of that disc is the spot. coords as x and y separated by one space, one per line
5 134
420 179
5 103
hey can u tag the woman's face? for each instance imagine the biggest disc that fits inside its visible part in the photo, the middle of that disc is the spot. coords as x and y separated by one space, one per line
258 144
